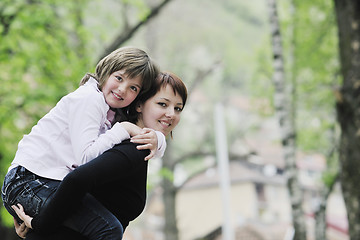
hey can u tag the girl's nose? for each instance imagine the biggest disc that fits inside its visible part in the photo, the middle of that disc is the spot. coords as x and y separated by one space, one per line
121 88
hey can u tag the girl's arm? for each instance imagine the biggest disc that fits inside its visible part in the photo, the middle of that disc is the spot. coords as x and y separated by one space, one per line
88 132
147 138
152 140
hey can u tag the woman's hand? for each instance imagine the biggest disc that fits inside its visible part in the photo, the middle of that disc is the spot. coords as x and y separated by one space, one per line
21 229
148 140
22 215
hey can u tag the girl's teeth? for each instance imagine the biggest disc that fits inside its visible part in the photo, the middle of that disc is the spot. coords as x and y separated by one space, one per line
117 96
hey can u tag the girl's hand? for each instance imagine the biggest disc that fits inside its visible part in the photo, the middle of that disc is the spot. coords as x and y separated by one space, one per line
148 139
131 128
21 229
22 215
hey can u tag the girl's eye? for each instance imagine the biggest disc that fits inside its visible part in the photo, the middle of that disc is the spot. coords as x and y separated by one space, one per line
135 89
119 78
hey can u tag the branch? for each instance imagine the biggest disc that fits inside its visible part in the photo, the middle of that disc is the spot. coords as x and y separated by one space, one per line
185 157
195 174
201 75
129 32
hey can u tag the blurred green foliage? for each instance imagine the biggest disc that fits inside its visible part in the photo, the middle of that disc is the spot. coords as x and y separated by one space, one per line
41 59
46 46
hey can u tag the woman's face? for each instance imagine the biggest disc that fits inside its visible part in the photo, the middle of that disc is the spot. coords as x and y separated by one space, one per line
162 111
120 90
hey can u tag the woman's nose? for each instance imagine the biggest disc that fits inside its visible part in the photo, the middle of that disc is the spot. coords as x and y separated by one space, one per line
170 112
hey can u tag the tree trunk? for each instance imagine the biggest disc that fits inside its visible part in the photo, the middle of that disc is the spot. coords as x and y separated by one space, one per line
320 212
169 196
320 220
282 108
328 186
348 108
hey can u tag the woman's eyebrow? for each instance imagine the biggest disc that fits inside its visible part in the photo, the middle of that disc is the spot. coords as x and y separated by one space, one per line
166 99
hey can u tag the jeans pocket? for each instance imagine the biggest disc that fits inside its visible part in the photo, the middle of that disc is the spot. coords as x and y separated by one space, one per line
14 181
30 201
9 178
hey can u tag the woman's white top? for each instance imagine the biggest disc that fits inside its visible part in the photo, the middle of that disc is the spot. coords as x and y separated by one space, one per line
74 132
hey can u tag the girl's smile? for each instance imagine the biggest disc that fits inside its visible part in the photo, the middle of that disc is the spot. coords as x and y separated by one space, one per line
119 90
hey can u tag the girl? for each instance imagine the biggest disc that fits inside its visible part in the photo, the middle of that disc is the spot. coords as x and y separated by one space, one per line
79 128
117 178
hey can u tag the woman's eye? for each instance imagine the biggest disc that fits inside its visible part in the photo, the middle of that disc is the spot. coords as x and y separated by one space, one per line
162 104
178 109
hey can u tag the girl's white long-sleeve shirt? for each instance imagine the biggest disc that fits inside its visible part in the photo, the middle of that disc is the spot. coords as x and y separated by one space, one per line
74 132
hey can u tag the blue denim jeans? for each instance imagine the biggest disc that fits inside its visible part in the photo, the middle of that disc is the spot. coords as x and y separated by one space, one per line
33 192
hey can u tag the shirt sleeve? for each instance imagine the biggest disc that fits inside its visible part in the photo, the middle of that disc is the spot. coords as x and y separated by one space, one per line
86 116
161 144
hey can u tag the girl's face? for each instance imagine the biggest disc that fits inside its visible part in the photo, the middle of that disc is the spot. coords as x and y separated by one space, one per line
119 90
162 111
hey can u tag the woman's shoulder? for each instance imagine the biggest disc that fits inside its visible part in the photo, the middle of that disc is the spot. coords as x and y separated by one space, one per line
129 150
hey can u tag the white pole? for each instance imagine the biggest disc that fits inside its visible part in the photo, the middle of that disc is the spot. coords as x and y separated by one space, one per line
223 167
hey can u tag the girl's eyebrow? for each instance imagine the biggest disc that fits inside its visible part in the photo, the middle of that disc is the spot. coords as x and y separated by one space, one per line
127 78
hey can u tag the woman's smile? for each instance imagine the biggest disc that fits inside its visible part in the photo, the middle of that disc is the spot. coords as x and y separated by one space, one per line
161 112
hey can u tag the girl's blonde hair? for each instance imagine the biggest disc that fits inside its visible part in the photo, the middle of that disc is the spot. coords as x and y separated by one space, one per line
135 62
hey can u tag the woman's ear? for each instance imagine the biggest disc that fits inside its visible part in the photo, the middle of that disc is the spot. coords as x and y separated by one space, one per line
139 108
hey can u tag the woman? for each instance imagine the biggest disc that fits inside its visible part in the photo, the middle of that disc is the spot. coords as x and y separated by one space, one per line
118 177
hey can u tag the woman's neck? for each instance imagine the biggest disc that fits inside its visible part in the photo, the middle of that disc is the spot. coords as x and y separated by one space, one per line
140 123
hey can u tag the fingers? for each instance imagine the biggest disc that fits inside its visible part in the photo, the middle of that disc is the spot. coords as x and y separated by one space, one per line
144 146
146 133
147 146
146 136
140 139
19 210
143 139
151 155
147 130
21 229
22 215
148 140
16 224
